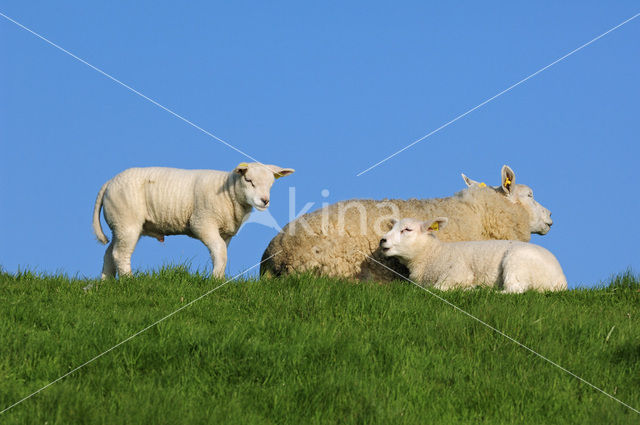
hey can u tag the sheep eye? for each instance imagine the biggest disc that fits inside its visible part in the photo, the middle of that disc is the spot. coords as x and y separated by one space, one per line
406 229
248 181
531 195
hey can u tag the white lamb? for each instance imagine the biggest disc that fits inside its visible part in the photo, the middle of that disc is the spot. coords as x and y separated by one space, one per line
513 266
205 204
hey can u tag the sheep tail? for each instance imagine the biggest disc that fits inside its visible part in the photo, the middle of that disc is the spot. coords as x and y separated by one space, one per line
97 227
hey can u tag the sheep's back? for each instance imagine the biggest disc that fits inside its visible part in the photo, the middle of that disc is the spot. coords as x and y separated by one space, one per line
338 239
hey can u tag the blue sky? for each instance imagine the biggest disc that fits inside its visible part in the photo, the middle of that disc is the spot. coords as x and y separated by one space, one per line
327 89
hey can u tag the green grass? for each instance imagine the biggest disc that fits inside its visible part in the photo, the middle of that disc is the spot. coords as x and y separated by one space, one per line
311 350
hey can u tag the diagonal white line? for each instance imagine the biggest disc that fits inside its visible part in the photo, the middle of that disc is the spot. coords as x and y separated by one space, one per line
503 334
498 95
95 68
135 335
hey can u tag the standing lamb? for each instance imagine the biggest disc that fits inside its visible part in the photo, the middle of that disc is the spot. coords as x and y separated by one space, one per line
513 266
337 239
205 204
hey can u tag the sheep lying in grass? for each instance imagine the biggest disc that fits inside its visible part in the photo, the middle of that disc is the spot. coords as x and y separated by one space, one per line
513 266
338 239
205 204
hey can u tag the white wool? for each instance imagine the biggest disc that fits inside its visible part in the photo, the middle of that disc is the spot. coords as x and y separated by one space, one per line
208 205
513 266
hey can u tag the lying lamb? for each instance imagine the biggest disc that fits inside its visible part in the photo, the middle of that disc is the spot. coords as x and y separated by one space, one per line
513 266
337 239
205 204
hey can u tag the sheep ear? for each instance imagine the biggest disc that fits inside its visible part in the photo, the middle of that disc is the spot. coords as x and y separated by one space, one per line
508 178
435 225
470 182
241 168
281 172
389 224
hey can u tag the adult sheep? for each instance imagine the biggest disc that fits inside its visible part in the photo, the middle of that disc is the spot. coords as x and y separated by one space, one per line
205 204
512 266
337 239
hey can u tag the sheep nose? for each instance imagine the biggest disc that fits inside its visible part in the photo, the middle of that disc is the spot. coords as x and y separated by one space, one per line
383 240
265 201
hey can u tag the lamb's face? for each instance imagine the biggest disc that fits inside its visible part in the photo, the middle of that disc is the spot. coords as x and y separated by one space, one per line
402 239
255 181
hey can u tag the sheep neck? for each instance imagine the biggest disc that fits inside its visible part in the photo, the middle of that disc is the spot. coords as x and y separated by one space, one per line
426 262
239 206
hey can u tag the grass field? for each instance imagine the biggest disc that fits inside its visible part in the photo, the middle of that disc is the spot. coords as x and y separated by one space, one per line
309 350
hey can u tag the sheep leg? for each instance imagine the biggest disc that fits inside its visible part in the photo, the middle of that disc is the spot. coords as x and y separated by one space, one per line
124 242
456 277
217 249
108 266
514 284
515 276
443 285
516 288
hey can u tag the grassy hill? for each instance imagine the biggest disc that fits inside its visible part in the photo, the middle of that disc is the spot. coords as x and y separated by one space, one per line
311 350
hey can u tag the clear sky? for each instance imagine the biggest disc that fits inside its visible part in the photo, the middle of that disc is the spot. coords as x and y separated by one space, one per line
329 89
